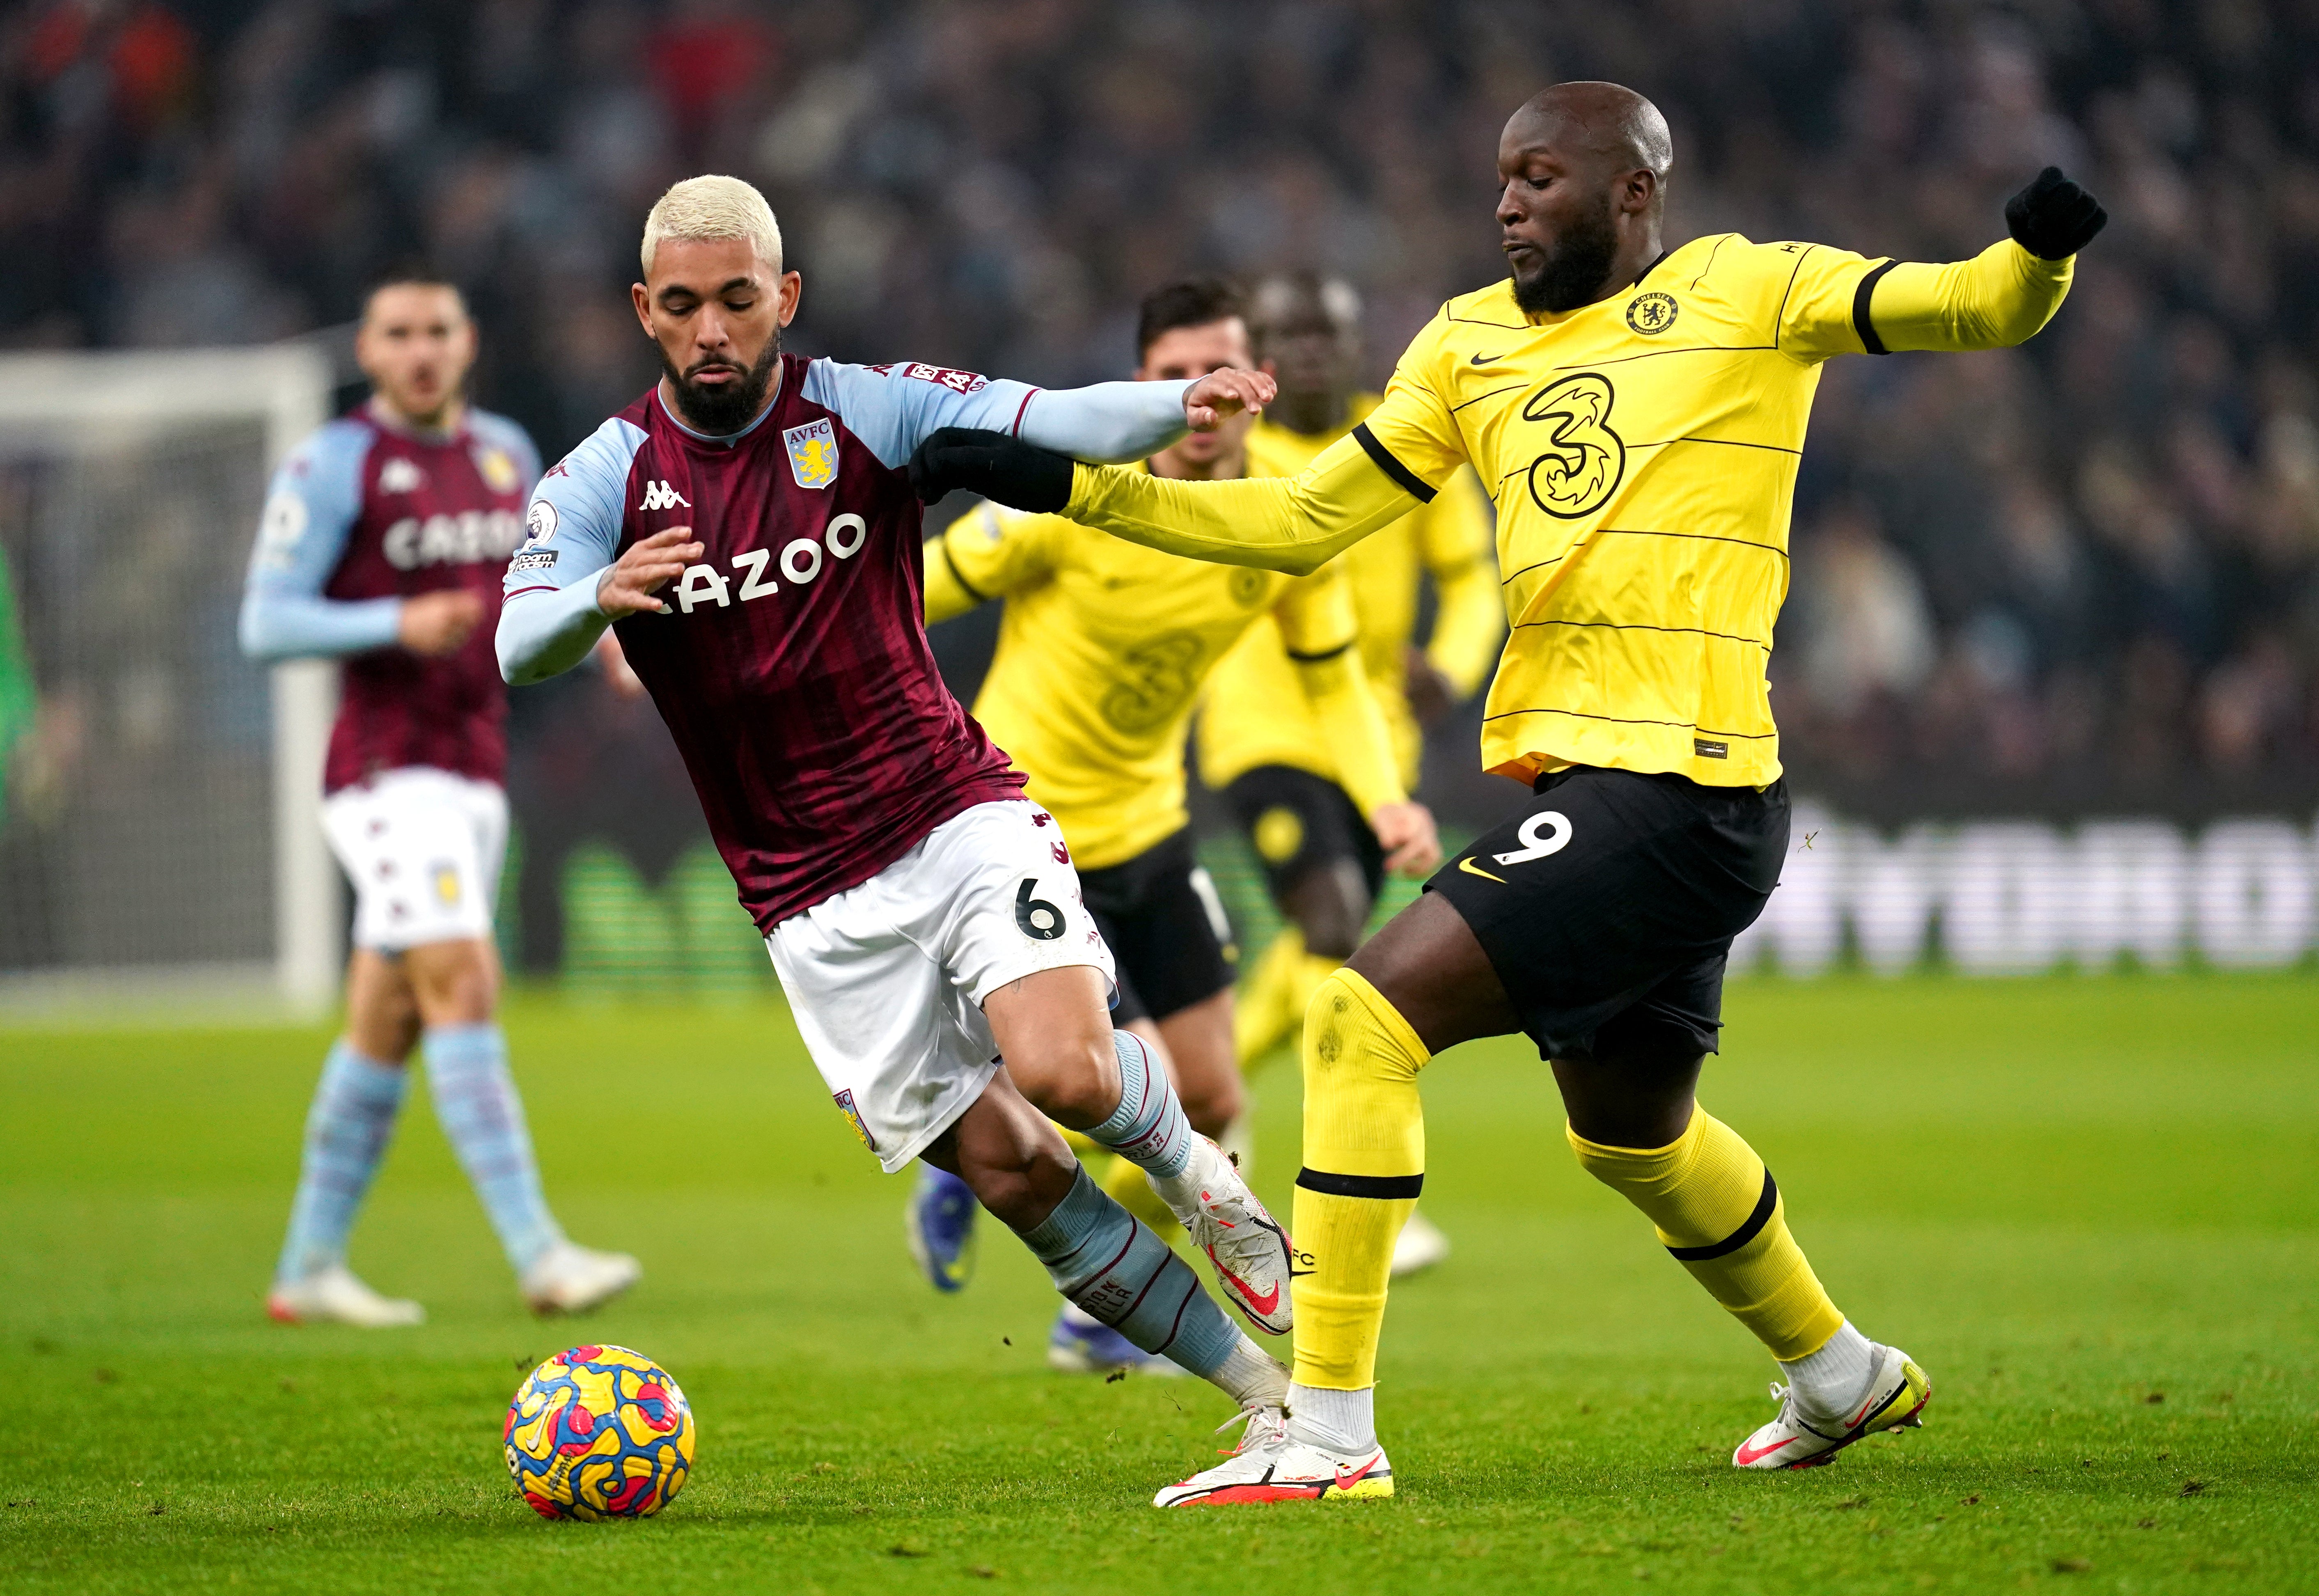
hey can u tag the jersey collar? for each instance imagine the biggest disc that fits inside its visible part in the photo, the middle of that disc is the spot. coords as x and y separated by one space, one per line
726 439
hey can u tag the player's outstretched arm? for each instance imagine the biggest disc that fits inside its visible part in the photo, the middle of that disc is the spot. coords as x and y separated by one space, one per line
2002 296
1294 523
1123 421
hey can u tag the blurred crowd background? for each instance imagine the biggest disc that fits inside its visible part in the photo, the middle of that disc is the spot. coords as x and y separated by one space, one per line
2082 576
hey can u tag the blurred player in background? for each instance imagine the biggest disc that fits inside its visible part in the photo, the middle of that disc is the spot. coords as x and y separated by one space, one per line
750 526
383 542
1639 413
1100 661
1278 765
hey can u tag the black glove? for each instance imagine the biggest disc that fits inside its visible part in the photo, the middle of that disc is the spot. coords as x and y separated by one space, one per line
1001 468
2053 218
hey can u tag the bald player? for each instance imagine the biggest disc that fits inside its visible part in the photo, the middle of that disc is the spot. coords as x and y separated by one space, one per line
1637 413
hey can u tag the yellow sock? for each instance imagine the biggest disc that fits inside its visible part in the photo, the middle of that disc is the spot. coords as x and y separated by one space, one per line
1131 1188
1718 1211
1364 1162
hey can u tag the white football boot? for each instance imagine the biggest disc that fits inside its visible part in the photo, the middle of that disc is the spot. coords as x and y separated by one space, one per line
1898 1391
1251 1251
1419 1245
334 1297
1268 1465
569 1278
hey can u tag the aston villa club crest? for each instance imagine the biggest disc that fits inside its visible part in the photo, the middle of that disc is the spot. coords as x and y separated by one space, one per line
813 452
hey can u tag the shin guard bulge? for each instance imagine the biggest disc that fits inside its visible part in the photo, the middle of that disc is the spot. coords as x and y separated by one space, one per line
1718 1210
1364 1164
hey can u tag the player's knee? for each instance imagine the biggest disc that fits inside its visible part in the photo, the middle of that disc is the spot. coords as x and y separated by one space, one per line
1353 1036
455 983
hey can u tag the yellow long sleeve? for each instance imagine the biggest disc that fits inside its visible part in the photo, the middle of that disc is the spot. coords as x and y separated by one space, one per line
947 595
1352 724
1294 523
1999 298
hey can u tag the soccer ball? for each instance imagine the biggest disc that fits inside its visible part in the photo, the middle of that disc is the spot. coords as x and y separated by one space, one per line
599 1432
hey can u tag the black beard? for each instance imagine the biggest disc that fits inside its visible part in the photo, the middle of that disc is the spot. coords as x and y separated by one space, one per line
724 409
1573 275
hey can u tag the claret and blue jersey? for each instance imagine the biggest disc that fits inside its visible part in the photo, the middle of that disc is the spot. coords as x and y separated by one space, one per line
792 666
361 516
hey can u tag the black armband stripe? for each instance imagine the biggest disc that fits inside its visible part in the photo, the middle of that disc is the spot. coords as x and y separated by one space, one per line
957 575
1380 1187
1408 480
1861 296
1326 653
1740 1238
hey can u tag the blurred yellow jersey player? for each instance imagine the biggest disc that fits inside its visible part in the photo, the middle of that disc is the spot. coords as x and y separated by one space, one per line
1638 414
1273 763
1102 651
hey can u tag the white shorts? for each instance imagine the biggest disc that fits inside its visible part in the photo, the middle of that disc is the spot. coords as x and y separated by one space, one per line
887 979
423 848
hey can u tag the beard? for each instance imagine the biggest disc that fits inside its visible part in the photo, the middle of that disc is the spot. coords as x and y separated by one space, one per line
726 407
1574 274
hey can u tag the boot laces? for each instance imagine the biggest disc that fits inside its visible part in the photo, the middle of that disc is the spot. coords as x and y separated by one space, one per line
1266 1424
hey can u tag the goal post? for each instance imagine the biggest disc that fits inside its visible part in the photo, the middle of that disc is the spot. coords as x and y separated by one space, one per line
161 831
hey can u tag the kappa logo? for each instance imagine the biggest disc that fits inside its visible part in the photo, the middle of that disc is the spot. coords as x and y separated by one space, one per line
663 496
399 475
813 452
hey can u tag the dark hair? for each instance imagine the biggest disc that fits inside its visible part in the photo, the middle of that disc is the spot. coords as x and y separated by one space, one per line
1195 303
410 273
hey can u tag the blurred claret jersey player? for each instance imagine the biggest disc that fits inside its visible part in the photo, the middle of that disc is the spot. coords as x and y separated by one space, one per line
749 526
1637 413
1101 657
384 538
1322 864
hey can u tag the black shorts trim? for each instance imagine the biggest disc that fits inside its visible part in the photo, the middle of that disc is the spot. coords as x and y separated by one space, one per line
1408 481
1382 1188
1161 931
1740 1238
1607 905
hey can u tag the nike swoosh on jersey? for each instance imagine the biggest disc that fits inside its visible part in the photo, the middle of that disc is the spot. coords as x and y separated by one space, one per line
1471 869
1485 360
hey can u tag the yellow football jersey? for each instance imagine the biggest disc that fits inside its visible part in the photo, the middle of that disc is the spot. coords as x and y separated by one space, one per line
1251 714
1102 651
1642 454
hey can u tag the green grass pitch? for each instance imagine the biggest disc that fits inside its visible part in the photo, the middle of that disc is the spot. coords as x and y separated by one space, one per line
2091 1207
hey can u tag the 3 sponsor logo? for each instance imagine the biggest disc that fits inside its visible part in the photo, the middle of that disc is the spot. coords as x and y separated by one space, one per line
800 561
1583 459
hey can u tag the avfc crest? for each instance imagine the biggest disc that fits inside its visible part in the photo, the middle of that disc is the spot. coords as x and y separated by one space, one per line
498 469
813 452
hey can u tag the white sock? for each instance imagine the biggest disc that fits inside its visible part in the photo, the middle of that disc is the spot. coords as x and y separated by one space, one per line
1829 1381
1333 1421
1251 1377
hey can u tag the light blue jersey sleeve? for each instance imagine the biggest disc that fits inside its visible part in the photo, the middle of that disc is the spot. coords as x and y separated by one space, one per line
893 409
549 621
310 507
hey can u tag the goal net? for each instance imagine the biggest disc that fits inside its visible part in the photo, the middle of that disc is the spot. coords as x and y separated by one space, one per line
158 805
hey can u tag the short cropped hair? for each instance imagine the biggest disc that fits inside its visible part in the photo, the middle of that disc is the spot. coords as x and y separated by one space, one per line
713 207
1296 297
1197 302
411 272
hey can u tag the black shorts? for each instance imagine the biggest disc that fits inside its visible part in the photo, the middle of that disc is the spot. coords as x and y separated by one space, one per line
1166 927
1609 904
1299 823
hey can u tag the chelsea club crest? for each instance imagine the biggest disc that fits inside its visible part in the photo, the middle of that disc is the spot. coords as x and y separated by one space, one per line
1649 313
